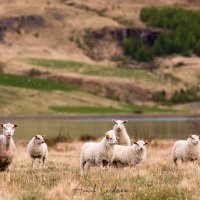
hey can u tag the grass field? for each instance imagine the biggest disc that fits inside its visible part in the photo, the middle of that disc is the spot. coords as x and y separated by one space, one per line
156 178
31 83
129 109
95 70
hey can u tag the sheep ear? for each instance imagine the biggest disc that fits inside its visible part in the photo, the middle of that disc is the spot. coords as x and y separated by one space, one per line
125 121
113 121
106 135
2 125
199 136
16 125
36 136
135 143
146 143
190 136
43 136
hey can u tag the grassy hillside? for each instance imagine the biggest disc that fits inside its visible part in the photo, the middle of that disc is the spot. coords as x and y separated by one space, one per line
54 47
22 95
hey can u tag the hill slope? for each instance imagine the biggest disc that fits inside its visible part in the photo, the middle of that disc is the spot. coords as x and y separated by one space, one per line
55 31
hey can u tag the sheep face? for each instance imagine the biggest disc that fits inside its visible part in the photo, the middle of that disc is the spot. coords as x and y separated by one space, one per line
194 139
8 129
111 137
39 139
119 124
140 145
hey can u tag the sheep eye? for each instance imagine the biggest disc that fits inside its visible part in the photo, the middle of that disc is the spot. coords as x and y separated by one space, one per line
110 139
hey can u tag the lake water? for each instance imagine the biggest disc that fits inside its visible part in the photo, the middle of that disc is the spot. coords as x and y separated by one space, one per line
137 127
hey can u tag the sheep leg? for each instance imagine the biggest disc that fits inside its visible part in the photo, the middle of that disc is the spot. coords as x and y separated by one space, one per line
32 162
8 174
40 162
82 167
43 161
175 161
108 165
88 167
100 165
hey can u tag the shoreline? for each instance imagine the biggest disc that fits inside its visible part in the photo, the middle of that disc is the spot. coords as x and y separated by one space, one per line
96 117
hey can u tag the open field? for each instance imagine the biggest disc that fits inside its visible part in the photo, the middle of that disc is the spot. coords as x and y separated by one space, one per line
157 178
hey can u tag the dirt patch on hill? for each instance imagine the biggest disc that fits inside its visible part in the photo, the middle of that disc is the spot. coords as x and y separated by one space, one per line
125 91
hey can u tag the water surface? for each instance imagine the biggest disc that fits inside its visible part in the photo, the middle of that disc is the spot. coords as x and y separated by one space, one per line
137 127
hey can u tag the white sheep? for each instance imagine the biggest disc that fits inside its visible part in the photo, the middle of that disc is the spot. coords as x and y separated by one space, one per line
121 133
186 150
94 153
7 147
130 155
37 148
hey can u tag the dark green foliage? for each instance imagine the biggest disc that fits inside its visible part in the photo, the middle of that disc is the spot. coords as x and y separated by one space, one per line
159 96
184 96
136 49
180 33
178 97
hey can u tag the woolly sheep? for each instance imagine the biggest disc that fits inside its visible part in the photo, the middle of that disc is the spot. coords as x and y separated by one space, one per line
7 147
94 153
130 155
186 150
37 148
121 133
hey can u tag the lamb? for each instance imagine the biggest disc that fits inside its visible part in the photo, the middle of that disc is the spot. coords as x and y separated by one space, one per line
130 155
37 148
7 147
94 153
186 150
121 133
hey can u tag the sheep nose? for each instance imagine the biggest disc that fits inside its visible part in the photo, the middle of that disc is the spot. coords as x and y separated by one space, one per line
141 148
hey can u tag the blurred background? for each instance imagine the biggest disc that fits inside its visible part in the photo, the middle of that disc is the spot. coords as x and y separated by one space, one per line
69 67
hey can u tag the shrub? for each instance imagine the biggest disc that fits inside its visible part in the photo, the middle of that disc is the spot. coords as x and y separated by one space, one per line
61 137
136 49
175 37
86 137
184 96
159 96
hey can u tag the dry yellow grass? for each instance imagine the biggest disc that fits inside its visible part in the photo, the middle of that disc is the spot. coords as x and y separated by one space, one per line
155 178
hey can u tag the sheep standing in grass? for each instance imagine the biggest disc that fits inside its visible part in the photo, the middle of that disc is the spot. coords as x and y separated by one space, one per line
7 147
120 132
130 155
37 148
94 153
186 150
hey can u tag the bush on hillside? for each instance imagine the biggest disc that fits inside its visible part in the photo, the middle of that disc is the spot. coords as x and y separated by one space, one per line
180 34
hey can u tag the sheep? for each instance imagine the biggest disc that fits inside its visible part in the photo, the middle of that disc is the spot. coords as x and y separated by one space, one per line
186 150
130 155
121 133
94 153
7 147
37 148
